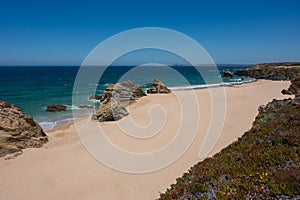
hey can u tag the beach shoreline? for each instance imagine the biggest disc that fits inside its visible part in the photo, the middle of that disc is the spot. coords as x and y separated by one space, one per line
232 84
78 175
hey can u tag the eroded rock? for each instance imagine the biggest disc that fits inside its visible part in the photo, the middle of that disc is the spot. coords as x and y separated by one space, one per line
17 130
158 87
116 97
56 108
227 74
294 87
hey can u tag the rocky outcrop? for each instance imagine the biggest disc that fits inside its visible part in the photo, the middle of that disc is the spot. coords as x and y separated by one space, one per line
227 74
17 130
116 97
110 110
96 97
294 87
56 108
272 71
158 87
124 91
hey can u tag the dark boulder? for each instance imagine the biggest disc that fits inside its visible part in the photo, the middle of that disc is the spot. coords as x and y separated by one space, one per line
56 108
227 74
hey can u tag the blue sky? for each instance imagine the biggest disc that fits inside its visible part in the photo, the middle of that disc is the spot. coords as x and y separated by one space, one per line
64 32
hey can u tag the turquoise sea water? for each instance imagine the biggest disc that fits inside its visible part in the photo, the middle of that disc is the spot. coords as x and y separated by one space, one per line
34 88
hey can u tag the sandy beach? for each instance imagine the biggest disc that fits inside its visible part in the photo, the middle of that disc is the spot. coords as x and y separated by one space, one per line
64 169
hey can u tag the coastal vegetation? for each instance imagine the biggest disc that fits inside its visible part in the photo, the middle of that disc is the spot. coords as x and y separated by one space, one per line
263 164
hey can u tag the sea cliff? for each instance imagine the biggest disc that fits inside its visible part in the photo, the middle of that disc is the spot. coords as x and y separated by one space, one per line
272 71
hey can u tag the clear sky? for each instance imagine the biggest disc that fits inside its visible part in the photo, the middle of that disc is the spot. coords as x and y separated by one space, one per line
63 32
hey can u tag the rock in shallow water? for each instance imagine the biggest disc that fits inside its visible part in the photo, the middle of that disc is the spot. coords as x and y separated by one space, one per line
56 108
17 130
227 74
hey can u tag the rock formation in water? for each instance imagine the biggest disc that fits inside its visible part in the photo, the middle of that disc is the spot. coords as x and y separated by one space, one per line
227 74
17 130
158 87
116 97
56 108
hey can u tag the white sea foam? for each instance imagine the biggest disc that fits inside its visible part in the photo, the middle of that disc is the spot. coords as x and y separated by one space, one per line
69 107
73 107
47 125
200 86
94 100
50 125
93 84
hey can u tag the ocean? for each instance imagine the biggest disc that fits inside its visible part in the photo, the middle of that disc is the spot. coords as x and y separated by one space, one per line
33 88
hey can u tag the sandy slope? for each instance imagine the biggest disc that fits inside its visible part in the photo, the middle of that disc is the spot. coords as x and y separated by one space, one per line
63 169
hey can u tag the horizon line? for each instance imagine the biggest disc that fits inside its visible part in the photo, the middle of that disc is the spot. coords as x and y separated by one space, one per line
126 65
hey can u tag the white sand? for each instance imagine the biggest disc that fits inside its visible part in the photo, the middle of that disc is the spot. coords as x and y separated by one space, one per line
63 169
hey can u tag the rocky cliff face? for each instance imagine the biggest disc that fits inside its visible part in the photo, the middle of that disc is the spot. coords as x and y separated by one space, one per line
272 71
158 87
116 97
294 87
17 130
